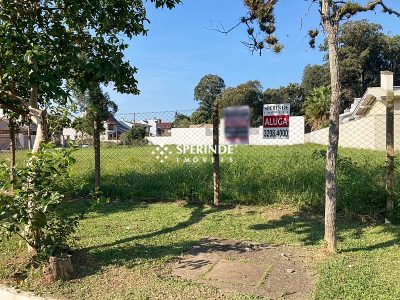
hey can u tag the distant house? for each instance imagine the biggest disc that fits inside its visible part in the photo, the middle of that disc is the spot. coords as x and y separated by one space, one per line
164 128
137 125
157 128
113 129
21 135
363 125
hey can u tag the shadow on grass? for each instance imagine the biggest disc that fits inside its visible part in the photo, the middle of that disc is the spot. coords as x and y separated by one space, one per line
308 226
393 230
196 216
125 252
310 230
137 249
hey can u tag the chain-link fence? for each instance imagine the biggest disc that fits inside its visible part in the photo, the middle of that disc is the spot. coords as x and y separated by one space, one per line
164 156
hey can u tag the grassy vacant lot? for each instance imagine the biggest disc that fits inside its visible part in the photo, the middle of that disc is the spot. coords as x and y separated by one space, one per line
125 251
257 176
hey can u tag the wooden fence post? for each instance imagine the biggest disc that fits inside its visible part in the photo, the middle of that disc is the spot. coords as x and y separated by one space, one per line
216 170
389 154
96 144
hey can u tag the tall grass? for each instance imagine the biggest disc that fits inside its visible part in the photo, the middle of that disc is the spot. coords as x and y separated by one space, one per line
256 175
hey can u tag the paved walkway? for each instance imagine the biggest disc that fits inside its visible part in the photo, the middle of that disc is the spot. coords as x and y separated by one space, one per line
233 266
7 293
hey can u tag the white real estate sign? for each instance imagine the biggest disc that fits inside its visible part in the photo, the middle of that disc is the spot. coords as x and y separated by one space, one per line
276 119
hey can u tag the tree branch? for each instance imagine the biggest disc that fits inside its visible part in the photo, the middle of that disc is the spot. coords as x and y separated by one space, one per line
349 9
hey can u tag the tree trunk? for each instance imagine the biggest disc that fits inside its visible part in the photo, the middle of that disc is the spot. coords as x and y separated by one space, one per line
389 154
331 30
60 267
96 144
38 117
216 170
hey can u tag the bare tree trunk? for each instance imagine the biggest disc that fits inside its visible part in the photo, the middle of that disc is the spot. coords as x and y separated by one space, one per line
38 117
331 30
216 169
96 144
389 154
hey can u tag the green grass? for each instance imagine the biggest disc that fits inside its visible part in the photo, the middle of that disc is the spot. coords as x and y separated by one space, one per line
258 175
125 250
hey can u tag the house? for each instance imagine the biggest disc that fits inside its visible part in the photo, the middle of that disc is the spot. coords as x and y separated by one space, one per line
158 128
164 128
22 135
113 129
137 125
363 125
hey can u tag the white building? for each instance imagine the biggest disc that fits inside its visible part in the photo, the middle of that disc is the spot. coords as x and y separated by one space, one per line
363 125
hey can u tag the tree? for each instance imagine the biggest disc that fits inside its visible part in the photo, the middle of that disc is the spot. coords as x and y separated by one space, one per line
46 43
293 94
250 94
316 108
364 50
97 108
332 13
315 76
206 92
392 53
133 135
182 121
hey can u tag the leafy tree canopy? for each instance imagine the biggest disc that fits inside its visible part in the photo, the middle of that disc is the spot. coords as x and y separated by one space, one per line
315 76
182 121
249 93
45 43
293 94
206 92
95 106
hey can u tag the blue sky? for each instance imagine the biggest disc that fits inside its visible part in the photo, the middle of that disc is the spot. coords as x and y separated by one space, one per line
180 48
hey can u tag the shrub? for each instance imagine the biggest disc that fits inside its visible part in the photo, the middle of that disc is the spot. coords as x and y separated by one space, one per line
133 136
33 209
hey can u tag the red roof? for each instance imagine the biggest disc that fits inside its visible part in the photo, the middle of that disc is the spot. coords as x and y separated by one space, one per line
165 125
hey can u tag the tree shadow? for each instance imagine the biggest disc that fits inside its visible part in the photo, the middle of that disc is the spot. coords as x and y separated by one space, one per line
310 228
91 262
305 224
393 230
127 252
196 216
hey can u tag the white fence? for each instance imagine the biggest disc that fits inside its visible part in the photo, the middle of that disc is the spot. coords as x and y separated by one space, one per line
204 136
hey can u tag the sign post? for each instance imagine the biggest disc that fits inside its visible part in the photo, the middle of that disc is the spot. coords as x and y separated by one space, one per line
276 119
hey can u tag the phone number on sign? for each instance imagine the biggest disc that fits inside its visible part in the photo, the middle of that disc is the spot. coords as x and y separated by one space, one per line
276 133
